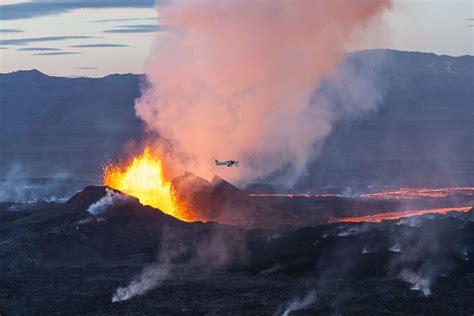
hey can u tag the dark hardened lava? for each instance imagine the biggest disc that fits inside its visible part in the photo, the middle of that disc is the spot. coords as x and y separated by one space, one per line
61 260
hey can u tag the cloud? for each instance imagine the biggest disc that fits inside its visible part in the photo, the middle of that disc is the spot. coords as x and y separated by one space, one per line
3 48
86 68
26 41
255 64
57 53
145 28
124 20
99 45
26 10
38 49
10 31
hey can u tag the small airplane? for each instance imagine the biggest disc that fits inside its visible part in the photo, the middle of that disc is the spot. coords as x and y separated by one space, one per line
228 163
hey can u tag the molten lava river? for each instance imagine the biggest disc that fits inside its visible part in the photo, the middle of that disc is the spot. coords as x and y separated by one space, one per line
377 218
143 178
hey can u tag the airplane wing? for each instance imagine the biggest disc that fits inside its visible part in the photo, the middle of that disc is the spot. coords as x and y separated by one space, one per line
228 163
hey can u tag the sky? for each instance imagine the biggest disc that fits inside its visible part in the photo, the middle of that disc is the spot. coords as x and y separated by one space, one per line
95 38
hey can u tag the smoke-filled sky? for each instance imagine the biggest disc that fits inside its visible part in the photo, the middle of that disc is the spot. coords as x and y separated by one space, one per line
235 80
95 38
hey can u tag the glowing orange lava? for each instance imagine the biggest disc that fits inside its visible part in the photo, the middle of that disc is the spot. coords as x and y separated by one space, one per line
417 193
397 215
290 195
143 178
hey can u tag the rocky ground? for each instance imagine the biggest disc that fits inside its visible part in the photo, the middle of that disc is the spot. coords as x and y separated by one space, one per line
71 258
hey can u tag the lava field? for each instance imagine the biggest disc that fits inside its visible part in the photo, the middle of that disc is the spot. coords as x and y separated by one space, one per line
103 253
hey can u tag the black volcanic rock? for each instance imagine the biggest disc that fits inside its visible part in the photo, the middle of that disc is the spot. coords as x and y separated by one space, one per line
87 197
70 233
222 202
65 260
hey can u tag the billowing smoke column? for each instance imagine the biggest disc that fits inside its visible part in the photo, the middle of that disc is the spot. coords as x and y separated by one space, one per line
232 79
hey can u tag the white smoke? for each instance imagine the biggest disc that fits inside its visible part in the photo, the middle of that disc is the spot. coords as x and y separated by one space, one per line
151 277
418 281
110 198
367 250
412 221
300 303
18 187
213 251
421 255
395 248
351 230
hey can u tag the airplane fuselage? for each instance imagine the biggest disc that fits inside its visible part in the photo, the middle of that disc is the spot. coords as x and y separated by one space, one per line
228 163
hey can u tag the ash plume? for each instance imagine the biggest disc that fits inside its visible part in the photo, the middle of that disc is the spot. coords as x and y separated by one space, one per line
235 80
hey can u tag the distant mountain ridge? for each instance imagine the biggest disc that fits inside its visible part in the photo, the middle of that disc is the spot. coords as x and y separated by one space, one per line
53 125
422 134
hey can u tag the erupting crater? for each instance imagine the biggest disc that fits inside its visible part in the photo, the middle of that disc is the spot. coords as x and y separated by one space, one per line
143 178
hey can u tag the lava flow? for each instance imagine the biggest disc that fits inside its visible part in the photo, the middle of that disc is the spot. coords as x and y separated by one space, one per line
376 218
418 193
291 195
143 178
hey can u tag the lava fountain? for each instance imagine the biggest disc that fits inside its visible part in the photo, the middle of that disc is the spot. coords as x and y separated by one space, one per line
143 178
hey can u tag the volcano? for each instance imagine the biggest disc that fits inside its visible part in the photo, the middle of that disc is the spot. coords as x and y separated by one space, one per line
222 202
82 250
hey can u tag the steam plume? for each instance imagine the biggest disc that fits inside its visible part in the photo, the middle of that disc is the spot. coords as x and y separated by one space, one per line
110 198
150 278
217 249
234 80
298 304
155 274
